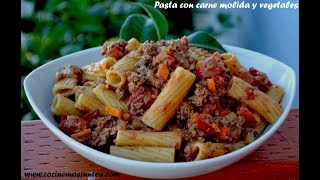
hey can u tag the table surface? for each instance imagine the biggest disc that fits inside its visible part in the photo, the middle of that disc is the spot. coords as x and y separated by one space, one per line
277 158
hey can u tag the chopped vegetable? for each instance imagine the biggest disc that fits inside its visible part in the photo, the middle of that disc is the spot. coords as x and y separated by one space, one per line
163 72
202 125
114 111
81 133
211 85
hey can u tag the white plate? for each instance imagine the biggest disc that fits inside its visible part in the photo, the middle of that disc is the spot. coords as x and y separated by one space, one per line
38 86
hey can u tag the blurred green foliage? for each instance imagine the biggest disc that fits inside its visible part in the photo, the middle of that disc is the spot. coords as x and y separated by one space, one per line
54 28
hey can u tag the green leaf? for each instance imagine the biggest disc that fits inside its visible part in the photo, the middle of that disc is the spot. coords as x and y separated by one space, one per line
206 41
159 20
138 26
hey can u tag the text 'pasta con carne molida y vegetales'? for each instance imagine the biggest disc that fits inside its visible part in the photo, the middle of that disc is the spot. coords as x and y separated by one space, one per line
164 101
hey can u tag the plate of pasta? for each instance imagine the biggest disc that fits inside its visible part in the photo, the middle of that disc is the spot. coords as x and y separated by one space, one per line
162 109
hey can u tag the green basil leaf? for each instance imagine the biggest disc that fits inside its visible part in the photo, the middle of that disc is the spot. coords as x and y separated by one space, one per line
140 27
206 41
159 20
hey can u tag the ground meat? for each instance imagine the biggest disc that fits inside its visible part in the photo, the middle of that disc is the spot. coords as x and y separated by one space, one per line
122 92
135 81
143 65
69 71
261 80
153 80
150 48
184 110
114 49
200 94
72 124
235 127
178 49
106 127
181 45
141 100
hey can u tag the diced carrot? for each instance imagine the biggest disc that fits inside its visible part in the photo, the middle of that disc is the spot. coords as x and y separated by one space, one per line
163 71
114 111
225 132
81 133
216 54
211 85
225 112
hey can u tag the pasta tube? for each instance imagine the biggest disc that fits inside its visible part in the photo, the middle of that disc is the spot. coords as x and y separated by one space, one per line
231 61
116 76
88 90
275 92
133 44
108 97
62 106
144 153
144 138
169 99
88 104
64 87
98 69
260 127
262 103
207 150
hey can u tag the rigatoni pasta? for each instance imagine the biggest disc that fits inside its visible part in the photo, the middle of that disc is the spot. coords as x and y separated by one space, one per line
65 87
164 101
275 92
62 106
88 104
97 69
116 76
144 153
143 138
169 99
108 97
87 90
262 103
231 61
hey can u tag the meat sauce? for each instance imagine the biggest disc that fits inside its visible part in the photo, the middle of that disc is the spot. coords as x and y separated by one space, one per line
202 116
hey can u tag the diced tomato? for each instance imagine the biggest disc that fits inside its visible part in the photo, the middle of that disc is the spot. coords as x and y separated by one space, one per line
202 125
203 71
218 107
253 71
225 132
219 81
115 53
246 113
91 115
170 61
225 112
136 94
72 124
247 77
250 94
148 100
